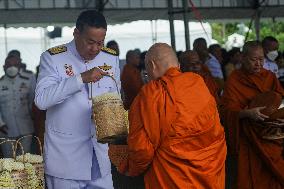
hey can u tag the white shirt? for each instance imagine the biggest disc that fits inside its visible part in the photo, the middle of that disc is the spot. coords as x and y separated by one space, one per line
272 66
214 66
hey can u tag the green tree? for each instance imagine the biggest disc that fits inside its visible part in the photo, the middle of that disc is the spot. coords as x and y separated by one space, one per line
267 28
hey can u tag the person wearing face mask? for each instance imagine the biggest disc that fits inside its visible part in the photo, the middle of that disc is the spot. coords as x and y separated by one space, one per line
23 71
16 98
270 47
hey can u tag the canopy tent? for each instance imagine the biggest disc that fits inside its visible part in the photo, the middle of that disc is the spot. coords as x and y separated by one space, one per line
36 13
64 12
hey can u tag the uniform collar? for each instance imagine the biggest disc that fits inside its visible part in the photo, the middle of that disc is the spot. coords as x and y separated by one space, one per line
72 47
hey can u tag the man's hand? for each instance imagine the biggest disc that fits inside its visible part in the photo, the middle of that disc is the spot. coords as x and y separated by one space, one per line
92 75
4 129
254 114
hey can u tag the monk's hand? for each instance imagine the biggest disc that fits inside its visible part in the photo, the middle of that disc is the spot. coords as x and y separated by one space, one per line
255 114
93 75
276 123
279 122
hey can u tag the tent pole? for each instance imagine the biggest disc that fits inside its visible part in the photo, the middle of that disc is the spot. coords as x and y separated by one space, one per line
257 24
185 20
5 39
171 20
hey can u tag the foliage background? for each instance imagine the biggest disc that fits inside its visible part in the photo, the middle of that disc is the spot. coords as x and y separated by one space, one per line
220 31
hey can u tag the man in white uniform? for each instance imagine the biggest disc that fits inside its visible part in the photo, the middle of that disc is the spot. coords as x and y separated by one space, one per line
73 157
16 98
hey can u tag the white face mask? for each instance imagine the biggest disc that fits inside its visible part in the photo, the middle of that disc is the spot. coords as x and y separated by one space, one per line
272 55
12 71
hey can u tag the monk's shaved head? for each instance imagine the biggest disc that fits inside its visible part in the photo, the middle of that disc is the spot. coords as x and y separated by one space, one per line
159 58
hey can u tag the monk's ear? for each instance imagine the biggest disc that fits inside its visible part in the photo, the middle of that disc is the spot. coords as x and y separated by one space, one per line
152 65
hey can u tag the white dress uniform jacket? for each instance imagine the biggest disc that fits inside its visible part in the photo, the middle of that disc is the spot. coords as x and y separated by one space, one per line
69 131
16 98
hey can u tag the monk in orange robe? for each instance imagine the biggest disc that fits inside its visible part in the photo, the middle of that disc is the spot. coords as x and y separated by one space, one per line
190 62
259 161
175 136
131 80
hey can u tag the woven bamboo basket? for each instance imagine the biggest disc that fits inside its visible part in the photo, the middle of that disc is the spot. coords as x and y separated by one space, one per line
19 178
109 117
39 167
117 154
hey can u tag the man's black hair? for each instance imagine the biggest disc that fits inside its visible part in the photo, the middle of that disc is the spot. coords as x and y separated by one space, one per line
267 40
15 52
111 43
91 18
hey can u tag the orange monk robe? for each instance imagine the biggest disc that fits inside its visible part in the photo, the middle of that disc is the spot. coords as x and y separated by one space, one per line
210 82
260 163
205 73
175 135
131 83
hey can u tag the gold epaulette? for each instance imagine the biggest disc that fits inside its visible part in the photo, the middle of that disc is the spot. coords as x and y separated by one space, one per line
57 50
109 51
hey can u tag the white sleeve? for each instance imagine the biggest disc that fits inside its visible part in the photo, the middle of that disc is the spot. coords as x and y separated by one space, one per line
117 74
51 89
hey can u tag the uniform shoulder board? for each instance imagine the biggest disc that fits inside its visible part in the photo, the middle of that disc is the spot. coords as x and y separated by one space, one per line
24 77
57 50
109 51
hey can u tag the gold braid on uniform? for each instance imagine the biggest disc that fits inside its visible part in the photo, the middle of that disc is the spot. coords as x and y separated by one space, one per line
109 51
57 50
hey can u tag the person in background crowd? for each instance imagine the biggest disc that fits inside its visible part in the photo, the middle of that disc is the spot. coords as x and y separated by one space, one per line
16 98
142 68
214 64
175 137
131 81
190 62
200 46
23 67
280 62
113 45
234 61
270 47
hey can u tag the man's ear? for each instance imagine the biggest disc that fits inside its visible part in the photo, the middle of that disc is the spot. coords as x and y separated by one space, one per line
76 33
